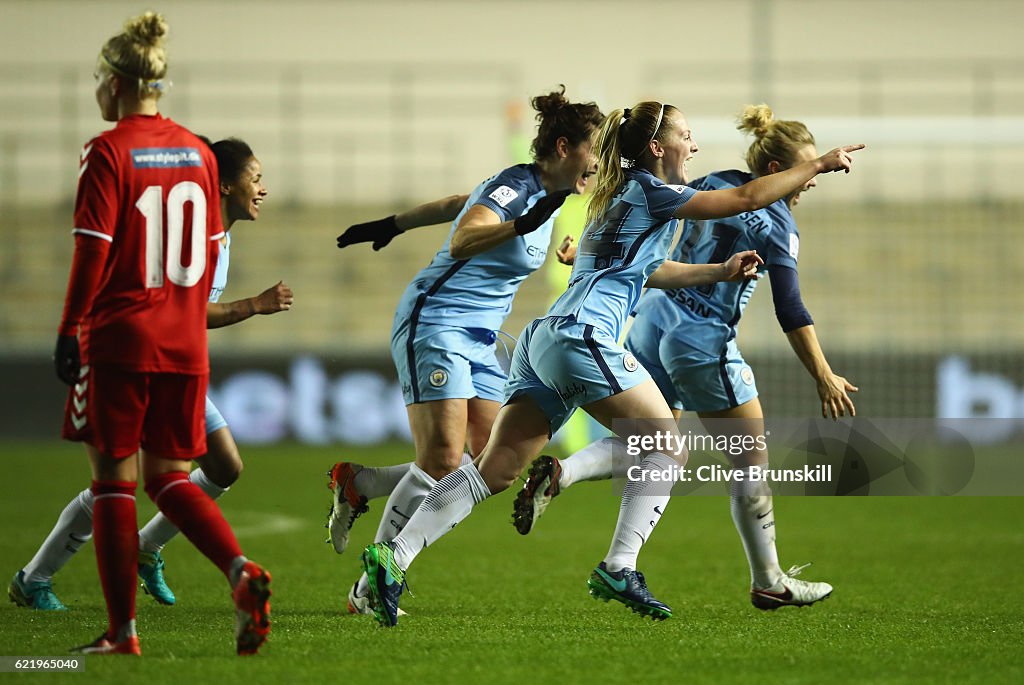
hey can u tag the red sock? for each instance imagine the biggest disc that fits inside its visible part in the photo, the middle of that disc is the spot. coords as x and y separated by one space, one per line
197 516
116 537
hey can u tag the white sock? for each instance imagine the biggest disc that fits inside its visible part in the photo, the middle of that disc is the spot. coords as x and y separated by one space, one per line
405 499
752 511
72 530
235 572
159 530
392 523
379 481
597 461
448 503
643 503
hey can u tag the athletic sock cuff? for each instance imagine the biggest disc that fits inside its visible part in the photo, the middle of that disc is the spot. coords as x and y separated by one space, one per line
751 485
157 485
422 476
656 461
477 486
113 487
199 477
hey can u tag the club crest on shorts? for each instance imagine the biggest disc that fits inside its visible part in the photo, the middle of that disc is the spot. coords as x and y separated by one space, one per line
630 363
438 377
747 376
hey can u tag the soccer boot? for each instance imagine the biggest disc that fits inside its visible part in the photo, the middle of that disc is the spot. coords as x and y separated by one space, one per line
104 644
37 596
363 605
790 591
252 608
629 587
151 571
541 487
359 605
386 582
347 506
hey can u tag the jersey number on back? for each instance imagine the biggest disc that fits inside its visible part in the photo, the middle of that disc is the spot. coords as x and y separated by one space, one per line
150 204
605 246
725 237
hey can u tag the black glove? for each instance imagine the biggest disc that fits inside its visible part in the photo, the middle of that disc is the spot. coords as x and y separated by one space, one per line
540 212
379 232
66 358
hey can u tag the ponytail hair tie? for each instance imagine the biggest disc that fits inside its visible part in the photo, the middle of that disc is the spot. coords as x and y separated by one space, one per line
625 115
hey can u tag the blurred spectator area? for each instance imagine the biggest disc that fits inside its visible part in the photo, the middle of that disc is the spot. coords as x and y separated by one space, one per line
914 251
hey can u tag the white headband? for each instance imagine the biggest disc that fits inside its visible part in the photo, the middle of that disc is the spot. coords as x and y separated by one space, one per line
628 163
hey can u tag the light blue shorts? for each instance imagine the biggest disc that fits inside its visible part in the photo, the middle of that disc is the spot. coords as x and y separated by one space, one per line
562 365
688 378
214 420
446 362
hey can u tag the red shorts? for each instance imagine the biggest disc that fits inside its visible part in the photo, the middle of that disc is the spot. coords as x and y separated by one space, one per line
118 410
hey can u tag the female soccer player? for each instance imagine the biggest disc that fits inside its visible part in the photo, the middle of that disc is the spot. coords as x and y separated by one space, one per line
570 358
443 340
132 340
686 339
241 195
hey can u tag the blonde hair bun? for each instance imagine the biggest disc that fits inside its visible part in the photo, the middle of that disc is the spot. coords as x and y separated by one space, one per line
756 119
148 29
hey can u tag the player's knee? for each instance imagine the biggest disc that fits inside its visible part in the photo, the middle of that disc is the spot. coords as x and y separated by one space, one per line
439 467
440 459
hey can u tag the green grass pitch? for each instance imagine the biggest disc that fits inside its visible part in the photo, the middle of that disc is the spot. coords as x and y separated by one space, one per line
927 590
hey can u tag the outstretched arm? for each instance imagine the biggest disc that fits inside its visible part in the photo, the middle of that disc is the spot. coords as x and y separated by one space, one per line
380 232
431 213
833 389
481 228
764 190
796 322
277 298
672 275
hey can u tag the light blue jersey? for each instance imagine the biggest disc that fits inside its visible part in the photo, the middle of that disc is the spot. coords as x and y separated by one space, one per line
214 419
705 317
571 357
220 274
685 338
443 337
616 256
477 292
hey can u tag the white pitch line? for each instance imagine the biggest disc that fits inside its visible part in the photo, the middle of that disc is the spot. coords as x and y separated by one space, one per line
259 523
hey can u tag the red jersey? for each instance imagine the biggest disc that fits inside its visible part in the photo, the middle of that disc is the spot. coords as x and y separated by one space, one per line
150 188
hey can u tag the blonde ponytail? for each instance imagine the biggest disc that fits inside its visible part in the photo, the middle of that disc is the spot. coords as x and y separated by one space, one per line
624 141
609 166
